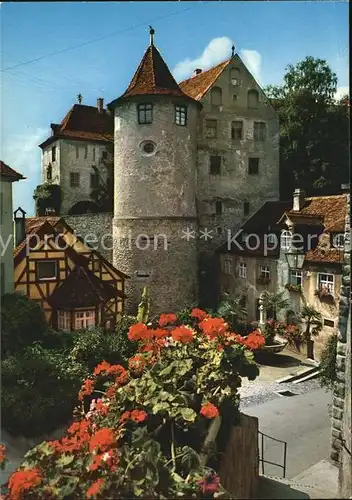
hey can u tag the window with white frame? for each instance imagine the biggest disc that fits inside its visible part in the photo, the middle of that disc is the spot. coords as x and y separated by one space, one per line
296 277
85 319
242 270
326 282
64 321
265 272
227 265
286 238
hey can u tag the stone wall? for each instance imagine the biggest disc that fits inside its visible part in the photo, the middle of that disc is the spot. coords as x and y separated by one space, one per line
341 410
95 229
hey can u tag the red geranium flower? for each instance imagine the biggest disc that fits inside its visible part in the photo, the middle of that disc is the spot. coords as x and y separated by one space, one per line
138 331
138 415
167 319
23 480
125 416
102 367
95 488
213 327
209 410
159 333
183 334
86 389
255 340
102 440
198 314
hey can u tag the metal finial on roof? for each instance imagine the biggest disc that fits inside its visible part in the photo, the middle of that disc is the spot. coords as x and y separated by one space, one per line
79 98
232 50
151 32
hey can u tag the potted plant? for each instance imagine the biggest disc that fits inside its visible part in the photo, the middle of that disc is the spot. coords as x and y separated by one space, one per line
314 325
324 293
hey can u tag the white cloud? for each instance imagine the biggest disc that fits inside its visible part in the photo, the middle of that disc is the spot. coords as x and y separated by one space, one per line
252 59
215 52
341 92
21 152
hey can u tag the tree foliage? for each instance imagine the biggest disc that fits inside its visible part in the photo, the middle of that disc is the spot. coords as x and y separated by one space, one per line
47 198
327 367
314 129
22 322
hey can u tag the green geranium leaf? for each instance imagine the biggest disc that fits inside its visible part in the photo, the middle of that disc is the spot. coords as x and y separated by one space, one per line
65 460
188 414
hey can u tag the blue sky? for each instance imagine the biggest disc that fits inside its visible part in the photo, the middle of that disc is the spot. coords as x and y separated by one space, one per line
267 35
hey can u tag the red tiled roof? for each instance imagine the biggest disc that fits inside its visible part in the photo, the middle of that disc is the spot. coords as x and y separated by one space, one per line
199 84
152 77
331 208
84 123
9 173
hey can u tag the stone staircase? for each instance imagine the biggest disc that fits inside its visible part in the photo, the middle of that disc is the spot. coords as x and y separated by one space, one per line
319 481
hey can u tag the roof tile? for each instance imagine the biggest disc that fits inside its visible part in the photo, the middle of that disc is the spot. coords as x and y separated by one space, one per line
9 173
85 123
197 86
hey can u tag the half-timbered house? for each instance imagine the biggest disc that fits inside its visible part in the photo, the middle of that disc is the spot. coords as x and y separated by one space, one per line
75 285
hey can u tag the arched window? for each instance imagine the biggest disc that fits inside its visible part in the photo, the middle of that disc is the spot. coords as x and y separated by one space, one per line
216 96
252 98
49 172
235 76
286 237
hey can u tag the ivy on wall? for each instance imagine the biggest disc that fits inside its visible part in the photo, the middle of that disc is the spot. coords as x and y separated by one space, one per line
47 199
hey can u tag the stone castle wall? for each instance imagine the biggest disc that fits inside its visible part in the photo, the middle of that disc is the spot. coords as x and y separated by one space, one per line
95 229
341 410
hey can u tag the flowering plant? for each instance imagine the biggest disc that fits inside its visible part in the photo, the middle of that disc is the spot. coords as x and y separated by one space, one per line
324 292
273 328
293 288
294 335
140 431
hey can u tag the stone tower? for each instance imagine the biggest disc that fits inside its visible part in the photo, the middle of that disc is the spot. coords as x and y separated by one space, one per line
155 187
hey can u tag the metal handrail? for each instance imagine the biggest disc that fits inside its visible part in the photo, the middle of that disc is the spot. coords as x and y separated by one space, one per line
261 459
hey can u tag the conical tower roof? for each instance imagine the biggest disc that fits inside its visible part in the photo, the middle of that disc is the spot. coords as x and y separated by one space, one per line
152 77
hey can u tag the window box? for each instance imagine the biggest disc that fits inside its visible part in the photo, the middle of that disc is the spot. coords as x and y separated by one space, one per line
293 288
324 293
263 280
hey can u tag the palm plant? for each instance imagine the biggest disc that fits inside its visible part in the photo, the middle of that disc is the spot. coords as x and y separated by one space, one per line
314 324
275 302
231 308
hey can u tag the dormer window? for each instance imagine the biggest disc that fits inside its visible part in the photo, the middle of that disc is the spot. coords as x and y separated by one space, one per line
338 241
286 238
181 115
145 113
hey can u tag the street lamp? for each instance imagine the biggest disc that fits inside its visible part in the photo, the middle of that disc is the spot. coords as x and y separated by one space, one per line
295 259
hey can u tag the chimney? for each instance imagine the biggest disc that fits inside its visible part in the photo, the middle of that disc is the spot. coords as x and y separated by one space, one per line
298 199
100 104
198 71
20 225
